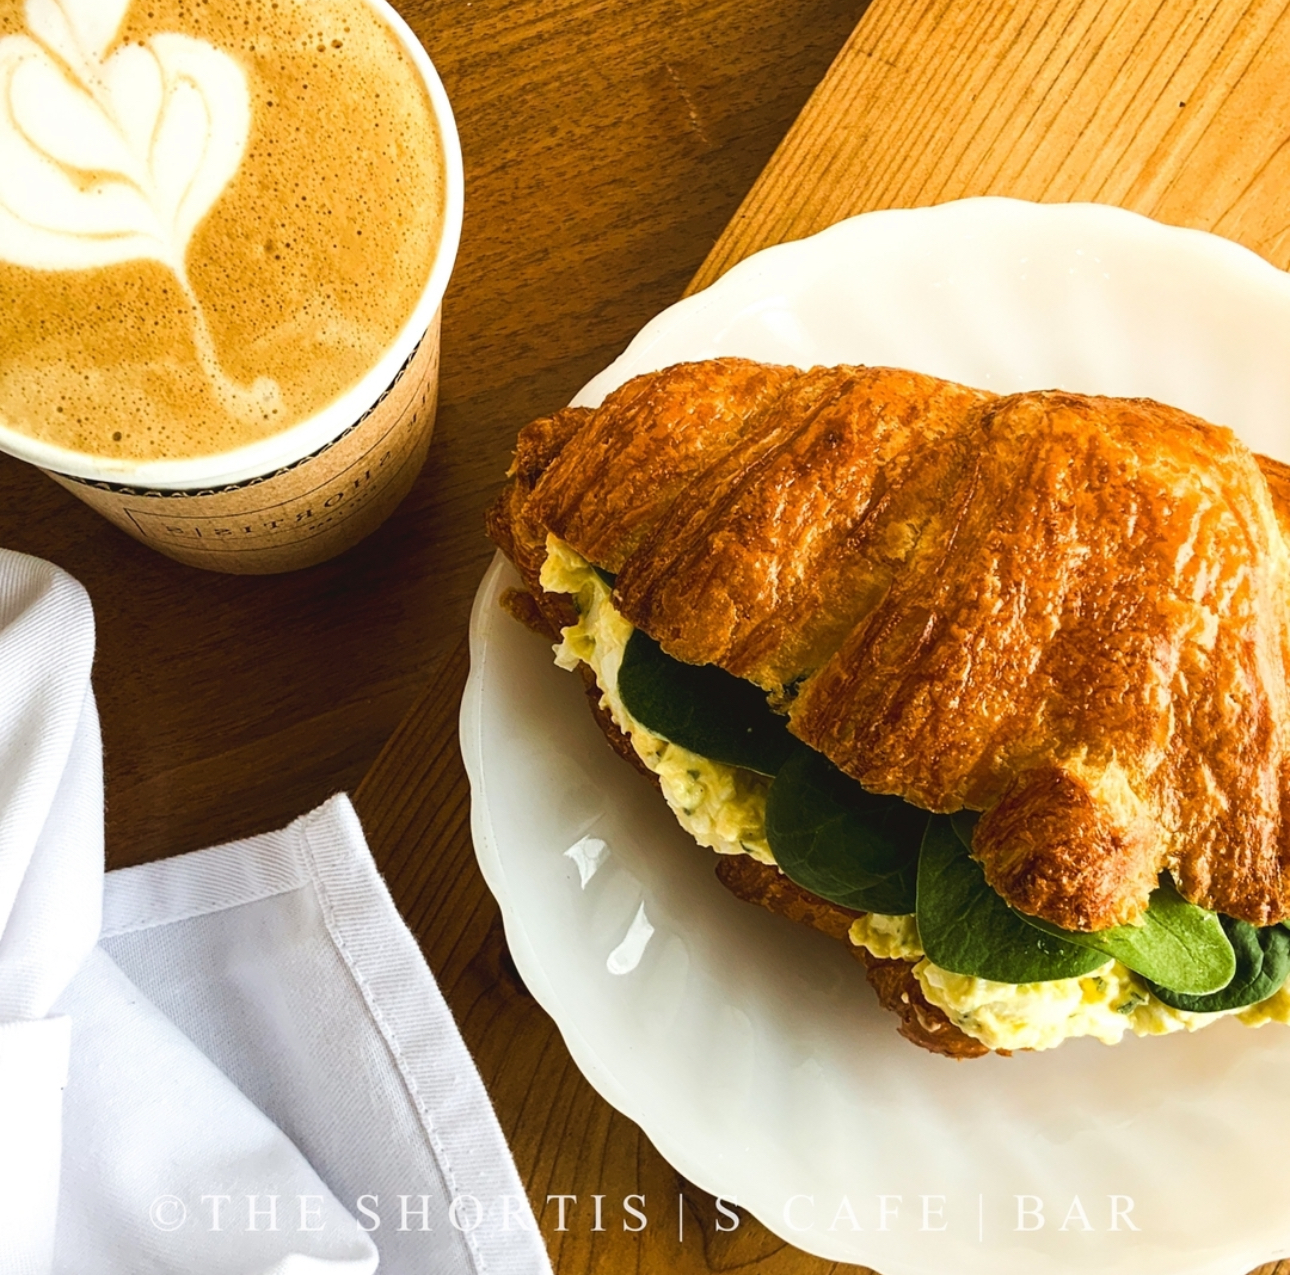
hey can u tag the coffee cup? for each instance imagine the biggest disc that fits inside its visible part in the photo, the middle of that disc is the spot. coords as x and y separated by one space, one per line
225 234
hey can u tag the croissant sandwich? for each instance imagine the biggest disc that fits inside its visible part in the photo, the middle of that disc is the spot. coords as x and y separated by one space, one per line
993 689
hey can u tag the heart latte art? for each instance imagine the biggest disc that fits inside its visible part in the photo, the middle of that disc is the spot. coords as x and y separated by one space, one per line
214 218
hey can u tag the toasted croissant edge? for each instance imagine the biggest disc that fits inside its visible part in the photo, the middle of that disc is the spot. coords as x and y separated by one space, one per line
921 1022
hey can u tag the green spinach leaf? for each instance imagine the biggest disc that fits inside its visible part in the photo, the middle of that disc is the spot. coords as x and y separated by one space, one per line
1262 963
607 576
702 708
1178 944
839 841
968 929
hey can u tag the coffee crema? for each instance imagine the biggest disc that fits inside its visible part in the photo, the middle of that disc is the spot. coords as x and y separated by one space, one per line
215 216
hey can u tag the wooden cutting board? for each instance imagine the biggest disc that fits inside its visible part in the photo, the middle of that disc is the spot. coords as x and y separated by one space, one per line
1176 109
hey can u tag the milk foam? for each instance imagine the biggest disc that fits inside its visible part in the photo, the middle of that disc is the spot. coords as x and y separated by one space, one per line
162 125
126 150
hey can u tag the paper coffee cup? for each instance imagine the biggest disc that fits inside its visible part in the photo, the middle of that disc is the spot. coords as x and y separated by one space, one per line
315 488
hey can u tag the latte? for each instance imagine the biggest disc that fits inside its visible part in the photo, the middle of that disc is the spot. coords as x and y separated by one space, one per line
215 217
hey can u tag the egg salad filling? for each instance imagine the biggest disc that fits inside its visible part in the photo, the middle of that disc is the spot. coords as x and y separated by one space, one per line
721 807
724 808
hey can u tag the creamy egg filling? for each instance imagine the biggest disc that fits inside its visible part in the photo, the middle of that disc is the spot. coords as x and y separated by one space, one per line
724 808
721 807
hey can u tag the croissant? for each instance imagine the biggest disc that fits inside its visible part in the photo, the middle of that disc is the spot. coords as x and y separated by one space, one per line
1068 612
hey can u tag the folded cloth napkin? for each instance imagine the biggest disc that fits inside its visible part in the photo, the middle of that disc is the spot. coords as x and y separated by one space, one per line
51 880
260 1073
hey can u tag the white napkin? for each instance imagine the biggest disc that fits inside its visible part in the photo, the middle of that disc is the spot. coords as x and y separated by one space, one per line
51 877
263 1076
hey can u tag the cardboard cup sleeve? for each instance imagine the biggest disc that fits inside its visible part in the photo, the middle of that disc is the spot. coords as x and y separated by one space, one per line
302 514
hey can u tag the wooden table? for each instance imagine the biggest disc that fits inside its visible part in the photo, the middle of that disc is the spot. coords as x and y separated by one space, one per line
606 146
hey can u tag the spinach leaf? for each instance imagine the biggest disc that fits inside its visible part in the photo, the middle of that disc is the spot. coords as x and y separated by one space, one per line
702 708
968 929
839 841
1262 963
1178 944
607 576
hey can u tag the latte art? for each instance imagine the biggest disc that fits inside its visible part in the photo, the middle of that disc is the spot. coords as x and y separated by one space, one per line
163 126
213 217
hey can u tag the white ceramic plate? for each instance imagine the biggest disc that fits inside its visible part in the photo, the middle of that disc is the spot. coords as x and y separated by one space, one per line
750 1050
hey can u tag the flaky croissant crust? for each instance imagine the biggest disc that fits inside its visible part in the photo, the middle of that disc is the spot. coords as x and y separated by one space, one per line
1068 612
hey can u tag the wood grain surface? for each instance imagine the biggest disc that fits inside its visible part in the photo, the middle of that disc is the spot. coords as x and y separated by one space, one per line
1174 109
